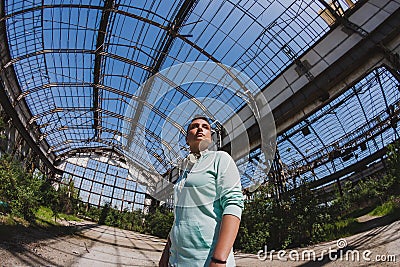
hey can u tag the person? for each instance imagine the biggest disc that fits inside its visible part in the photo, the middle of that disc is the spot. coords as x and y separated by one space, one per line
208 204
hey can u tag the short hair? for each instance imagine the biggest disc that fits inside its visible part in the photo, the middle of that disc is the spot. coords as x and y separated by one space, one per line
196 117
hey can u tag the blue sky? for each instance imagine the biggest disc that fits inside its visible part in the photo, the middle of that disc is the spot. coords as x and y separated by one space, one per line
250 41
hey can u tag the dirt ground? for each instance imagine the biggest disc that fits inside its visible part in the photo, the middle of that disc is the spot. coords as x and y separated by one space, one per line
89 244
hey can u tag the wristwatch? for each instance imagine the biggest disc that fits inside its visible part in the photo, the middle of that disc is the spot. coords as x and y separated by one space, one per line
217 260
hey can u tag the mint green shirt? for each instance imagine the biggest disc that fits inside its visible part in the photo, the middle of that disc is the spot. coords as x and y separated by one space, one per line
203 193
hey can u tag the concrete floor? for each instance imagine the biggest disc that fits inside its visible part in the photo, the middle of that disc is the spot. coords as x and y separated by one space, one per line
98 245
379 246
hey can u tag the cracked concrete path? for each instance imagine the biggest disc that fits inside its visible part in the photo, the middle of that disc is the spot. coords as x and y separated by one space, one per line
111 246
99 245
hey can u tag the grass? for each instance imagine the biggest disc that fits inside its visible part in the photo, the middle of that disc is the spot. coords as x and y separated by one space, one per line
359 212
69 217
349 225
11 220
11 225
45 217
341 228
388 208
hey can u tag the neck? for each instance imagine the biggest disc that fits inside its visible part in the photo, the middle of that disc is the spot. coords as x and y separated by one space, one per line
197 151
199 148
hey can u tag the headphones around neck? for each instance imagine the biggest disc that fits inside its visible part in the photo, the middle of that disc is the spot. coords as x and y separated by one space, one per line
193 158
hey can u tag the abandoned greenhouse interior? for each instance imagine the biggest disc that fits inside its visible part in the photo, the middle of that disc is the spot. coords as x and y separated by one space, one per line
97 97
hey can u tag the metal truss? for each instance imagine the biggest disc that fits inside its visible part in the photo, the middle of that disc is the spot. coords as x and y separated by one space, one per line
77 67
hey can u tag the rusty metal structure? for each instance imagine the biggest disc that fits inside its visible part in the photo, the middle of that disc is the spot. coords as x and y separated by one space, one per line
330 71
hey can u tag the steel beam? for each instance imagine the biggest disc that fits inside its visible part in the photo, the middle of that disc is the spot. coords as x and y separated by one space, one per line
314 91
164 47
105 16
11 112
74 51
7 99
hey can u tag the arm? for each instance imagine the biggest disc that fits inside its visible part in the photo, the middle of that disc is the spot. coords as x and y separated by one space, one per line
227 236
231 200
165 255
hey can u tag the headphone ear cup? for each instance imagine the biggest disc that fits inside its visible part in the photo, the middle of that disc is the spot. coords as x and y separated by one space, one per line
192 158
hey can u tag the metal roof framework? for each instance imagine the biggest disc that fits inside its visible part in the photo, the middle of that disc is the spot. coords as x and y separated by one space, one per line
76 67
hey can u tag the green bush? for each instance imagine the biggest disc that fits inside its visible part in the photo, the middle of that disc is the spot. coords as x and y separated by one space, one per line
25 192
93 212
299 218
255 226
21 190
159 223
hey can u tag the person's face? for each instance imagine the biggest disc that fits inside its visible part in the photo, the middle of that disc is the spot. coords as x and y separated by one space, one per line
199 135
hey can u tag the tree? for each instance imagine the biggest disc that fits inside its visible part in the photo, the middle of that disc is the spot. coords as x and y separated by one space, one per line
393 174
159 223
19 188
104 213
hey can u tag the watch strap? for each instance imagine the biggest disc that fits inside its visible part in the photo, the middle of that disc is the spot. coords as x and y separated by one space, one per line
217 260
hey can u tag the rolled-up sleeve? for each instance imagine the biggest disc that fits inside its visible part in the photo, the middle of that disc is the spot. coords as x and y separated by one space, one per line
229 186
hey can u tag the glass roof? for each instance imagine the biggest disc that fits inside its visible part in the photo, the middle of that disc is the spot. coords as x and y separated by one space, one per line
352 127
81 64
